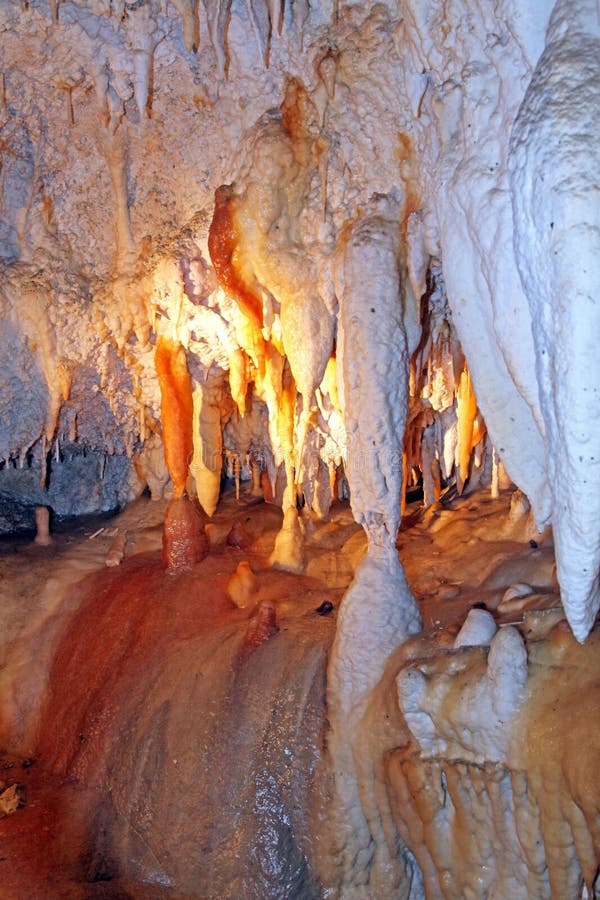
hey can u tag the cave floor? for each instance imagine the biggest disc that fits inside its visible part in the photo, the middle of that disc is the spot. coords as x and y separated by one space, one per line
467 551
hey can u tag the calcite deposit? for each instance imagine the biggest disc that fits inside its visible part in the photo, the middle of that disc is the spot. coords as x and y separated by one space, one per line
329 252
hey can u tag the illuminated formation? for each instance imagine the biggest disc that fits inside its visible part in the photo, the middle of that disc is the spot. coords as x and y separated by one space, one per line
321 279
176 410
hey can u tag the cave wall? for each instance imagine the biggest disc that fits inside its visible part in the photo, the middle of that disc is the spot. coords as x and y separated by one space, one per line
366 235
126 117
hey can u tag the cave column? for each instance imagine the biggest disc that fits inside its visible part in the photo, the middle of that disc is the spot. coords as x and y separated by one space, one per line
184 541
377 333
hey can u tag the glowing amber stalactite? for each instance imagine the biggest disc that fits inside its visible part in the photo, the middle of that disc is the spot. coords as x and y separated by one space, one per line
238 378
467 413
223 246
176 410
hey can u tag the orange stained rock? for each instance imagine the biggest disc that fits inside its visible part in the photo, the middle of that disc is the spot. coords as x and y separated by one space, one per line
287 412
251 340
273 376
466 411
223 246
262 627
298 114
409 172
176 409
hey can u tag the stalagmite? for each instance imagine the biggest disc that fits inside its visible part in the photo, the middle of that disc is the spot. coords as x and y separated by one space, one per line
176 410
256 472
262 627
478 629
116 551
288 552
243 586
378 611
42 524
184 540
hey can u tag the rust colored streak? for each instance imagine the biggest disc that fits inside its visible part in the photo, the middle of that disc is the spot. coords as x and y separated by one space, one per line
176 410
111 653
223 245
295 108
408 170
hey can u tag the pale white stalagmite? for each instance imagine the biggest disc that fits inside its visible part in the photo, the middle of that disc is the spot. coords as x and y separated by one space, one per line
555 161
478 629
378 611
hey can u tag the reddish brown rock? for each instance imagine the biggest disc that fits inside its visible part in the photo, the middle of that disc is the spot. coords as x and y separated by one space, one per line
184 540
238 536
262 627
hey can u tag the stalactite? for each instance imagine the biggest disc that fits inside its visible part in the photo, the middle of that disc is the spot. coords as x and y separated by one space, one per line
223 242
327 70
142 67
218 15
258 13
238 378
54 8
466 413
207 448
190 23
301 13
43 464
285 427
176 410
